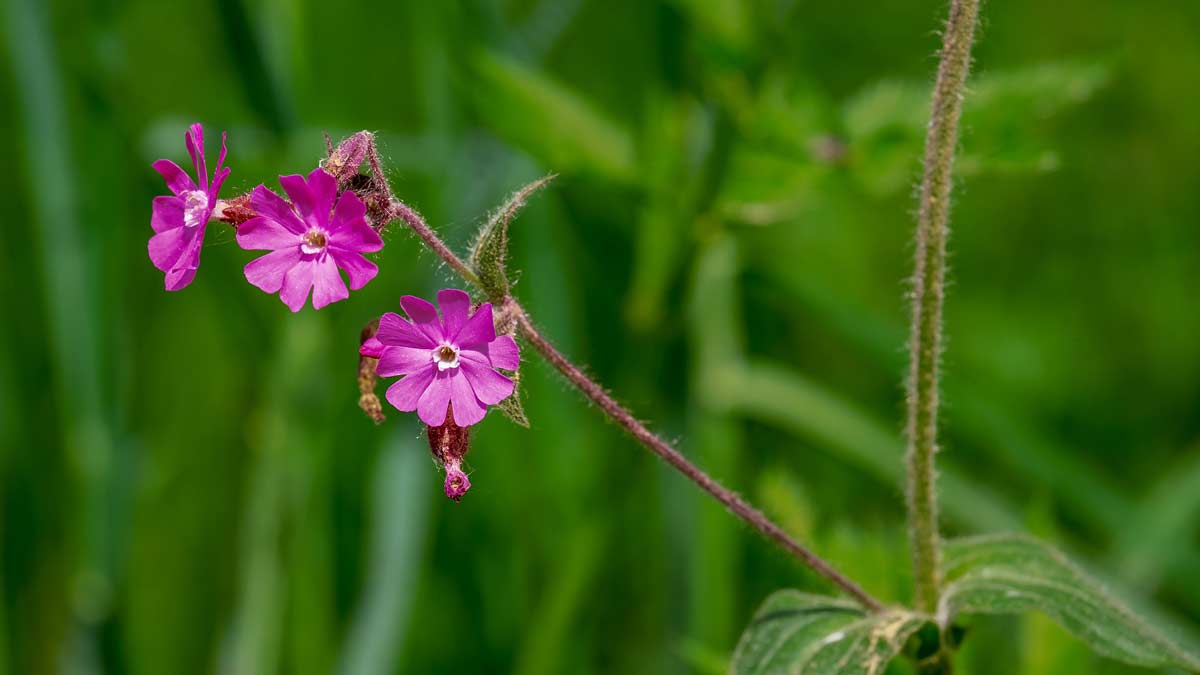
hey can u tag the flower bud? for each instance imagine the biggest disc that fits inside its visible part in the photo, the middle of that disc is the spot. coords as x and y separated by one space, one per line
367 377
344 161
449 444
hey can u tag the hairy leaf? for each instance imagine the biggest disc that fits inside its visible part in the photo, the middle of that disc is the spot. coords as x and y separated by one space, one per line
1008 574
512 407
800 633
489 255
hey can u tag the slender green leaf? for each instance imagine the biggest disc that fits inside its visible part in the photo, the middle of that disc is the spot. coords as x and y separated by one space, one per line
1009 574
489 255
799 633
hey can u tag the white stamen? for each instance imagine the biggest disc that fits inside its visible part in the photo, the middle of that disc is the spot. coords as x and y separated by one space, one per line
195 207
315 241
445 356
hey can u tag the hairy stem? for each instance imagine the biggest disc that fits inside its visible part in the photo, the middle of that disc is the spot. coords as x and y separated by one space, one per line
928 292
629 423
671 456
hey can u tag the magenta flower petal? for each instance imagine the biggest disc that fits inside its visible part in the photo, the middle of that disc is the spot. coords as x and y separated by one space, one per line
179 221
166 214
178 278
270 205
503 353
424 316
328 286
172 248
357 268
489 386
313 196
177 179
405 394
194 140
403 361
479 329
431 407
350 210
371 347
446 370
268 271
323 244
394 330
264 234
456 305
220 174
468 409
296 284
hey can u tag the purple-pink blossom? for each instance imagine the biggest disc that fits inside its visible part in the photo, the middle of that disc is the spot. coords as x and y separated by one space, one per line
179 221
310 239
446 361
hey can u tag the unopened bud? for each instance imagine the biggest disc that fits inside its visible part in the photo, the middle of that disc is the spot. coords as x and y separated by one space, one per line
346 158
367 377
449 444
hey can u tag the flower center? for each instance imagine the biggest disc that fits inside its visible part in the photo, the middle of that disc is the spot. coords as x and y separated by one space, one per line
314 241
446 356
195 208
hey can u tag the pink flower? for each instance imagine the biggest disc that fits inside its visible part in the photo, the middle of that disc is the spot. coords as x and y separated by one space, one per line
450 360
308 245
179 221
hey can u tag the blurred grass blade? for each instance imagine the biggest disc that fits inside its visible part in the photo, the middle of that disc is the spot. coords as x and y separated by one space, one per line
714 328
70 282
549 121
255 641
1166 517
771 394
548 637
399 518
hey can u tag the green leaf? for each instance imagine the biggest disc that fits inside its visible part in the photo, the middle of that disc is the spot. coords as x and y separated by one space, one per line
489 255
799 633
885 122
549 121
1010 574
511 406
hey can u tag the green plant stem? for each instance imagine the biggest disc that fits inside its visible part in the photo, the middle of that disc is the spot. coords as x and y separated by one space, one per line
928 292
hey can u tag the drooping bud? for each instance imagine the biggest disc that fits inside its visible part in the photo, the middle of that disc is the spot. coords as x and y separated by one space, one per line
343 163
449 444
368 358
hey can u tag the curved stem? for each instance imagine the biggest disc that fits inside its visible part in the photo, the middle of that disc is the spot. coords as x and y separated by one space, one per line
928 292
629 423
671 456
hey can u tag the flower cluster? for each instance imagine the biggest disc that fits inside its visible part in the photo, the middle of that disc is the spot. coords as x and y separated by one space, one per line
449 363
313 238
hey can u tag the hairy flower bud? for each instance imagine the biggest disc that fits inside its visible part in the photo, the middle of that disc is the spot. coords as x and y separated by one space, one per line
449 444
343 163
367 378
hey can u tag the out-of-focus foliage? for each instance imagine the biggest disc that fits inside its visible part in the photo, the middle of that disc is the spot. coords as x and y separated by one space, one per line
187 485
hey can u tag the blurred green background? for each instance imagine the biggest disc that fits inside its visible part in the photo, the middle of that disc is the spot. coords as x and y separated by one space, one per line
187 485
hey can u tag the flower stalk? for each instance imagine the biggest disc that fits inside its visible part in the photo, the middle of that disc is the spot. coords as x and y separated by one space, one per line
928 294
511 310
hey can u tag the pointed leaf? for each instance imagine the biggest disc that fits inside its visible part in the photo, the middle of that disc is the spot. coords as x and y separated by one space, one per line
489 255
512 407
804 634
1009 574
